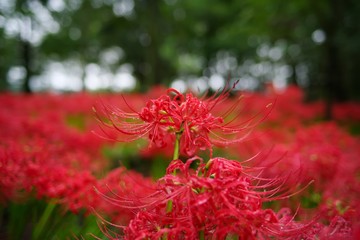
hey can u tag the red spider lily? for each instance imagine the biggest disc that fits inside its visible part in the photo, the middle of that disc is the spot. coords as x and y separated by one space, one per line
217 200
124 184
327 157
186 120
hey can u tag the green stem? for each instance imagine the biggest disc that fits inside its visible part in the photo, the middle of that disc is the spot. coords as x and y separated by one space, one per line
177 146
169 207
43 219
201 235
169 204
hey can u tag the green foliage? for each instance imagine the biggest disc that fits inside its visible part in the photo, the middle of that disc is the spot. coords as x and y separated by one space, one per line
166 39
76 121
38 219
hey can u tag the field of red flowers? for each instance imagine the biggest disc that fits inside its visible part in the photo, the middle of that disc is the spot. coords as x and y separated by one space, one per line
245 166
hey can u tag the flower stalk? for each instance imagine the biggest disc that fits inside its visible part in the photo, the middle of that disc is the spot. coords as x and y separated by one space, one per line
40 226
169 204
177 146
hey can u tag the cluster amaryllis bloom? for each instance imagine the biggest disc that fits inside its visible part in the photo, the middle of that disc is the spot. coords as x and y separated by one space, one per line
218 199
182 119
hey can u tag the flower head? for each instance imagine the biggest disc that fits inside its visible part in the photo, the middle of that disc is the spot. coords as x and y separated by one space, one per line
183 119
216 200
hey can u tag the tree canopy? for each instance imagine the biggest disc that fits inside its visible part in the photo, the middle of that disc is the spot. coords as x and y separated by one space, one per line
313 44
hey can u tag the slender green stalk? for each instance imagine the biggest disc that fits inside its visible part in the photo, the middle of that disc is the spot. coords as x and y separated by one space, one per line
177 146
169 204
39 227
201 235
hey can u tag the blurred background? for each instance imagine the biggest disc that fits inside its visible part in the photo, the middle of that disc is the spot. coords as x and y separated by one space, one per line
130 45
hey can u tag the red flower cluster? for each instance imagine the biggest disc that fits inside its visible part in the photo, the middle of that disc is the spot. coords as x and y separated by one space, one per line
185 119
53 155
217 200
42 157
220 198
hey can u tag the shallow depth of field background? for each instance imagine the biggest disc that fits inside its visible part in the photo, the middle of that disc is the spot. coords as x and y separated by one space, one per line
59 58
62 45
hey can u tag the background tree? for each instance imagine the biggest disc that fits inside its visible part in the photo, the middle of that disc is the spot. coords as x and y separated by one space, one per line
22 30
169 39
328 36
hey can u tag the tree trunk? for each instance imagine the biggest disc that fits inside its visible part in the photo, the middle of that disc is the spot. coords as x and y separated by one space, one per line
334 89
27 63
